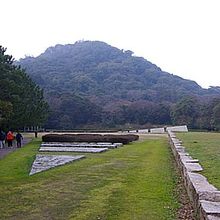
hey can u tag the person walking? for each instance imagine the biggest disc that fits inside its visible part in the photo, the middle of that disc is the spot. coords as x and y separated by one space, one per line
9 138
2 138
18 138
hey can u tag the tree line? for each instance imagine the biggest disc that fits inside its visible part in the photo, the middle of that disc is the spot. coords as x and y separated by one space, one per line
190 110
74 112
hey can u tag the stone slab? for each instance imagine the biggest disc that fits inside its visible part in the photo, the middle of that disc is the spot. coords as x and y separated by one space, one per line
182 128
212 208
143 131
180 149
212 217
192 161
185 158
176 142
157 130
73 149
200 182
213 196
183 154
45 162
177 145
193 167
133 131
94 145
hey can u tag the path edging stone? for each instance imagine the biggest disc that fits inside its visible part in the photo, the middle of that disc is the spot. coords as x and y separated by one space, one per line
204 196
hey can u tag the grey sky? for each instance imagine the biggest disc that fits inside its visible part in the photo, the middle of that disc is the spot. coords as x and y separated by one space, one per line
180 36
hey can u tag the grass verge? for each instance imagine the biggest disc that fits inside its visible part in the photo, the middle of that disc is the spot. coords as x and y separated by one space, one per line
205 146
136 181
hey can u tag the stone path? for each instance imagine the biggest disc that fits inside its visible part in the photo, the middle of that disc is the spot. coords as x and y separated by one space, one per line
45 162
7 150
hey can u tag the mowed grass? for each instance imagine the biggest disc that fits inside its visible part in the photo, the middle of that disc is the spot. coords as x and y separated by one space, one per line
136 181
205 146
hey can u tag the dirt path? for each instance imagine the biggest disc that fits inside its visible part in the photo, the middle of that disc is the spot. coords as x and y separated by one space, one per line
7 150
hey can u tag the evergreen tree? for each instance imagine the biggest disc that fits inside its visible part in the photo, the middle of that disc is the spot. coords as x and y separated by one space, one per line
21 100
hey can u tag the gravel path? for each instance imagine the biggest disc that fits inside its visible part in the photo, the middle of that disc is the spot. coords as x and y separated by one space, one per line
7 150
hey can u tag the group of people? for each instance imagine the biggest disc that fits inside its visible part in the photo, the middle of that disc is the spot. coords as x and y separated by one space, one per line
9 138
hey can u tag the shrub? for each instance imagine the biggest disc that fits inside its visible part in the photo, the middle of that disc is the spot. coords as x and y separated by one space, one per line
125 139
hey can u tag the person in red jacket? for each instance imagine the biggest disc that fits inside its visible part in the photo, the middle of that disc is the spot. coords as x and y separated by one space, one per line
9 138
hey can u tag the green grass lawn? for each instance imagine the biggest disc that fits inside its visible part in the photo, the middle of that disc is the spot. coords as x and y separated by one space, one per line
136 181
205 147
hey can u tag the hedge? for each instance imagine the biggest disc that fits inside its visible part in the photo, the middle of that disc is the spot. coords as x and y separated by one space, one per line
125 139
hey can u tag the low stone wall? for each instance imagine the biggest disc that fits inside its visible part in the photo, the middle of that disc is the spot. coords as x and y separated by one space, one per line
204 196
157 130
182 128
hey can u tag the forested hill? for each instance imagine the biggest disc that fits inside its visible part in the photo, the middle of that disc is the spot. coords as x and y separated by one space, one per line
105 73
102 76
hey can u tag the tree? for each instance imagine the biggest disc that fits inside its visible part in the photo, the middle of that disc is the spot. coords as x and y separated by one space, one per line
216 117
185 112
69 111
22 102
6 112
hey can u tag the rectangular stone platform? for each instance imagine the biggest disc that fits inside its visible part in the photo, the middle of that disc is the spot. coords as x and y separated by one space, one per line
73 149
90 145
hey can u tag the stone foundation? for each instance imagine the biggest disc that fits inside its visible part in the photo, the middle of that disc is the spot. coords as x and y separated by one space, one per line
73 149
78 144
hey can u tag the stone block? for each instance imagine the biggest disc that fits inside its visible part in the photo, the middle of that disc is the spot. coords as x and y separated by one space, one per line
157 130
212 217
200 182
73 149
210 208
193 167
182 128
143 131
180 149
213 196
185 158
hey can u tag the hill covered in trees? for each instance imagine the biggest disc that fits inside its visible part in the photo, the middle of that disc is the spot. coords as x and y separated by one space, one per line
21 100
93 83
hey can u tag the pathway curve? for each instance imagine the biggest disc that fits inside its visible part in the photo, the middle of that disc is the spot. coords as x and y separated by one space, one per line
7 150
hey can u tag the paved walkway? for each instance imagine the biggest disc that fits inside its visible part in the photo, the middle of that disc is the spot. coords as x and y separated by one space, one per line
7 150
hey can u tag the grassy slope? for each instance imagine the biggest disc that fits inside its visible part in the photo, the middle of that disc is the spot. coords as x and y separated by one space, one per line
206 148
133 182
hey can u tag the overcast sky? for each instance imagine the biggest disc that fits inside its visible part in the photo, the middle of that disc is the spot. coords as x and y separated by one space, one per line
180 36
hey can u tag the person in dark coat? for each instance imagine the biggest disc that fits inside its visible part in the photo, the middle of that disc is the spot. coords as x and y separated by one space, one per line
2 138
18 138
